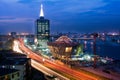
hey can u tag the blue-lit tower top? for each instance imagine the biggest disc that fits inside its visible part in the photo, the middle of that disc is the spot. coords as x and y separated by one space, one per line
41 11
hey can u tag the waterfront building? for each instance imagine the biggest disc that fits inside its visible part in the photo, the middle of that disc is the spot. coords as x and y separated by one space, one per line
64 48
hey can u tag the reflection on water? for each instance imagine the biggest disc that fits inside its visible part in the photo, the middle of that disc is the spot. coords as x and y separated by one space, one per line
109 49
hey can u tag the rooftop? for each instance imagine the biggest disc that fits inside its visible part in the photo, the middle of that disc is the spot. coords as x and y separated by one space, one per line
63 41
11 54
4 71
14 61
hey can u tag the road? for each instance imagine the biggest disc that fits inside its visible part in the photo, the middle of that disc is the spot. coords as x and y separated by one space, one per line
46 70
60 68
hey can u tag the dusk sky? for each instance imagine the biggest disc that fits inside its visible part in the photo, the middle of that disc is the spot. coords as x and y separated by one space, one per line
64 15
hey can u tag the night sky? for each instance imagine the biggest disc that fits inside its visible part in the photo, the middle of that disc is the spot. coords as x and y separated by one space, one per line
64 15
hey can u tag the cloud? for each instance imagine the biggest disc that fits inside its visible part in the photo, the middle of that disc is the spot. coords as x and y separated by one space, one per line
15 20
37 1
70 6
6 17
66 5
62 13
27 1
78 6
9 1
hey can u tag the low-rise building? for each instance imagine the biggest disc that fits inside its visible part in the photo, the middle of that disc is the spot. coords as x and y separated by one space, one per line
63 48
9 74
12 60
22 64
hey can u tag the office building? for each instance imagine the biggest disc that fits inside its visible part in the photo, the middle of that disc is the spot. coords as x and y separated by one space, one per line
42 29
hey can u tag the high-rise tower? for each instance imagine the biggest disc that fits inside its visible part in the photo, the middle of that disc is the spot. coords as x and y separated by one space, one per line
42 28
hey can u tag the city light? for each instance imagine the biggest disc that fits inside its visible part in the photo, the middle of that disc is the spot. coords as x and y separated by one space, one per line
16 46
68 49
87 57
81 48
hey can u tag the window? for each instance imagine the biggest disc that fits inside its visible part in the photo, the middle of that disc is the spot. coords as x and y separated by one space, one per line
68 49
46 27
18 74
39 28
12 75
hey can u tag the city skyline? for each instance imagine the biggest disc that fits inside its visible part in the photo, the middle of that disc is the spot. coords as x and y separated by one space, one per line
64 16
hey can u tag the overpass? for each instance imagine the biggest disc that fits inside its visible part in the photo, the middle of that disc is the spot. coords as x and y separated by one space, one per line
78 75
38 65
46 70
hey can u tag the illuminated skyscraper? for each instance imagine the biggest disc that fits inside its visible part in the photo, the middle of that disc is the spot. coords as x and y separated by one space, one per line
42 27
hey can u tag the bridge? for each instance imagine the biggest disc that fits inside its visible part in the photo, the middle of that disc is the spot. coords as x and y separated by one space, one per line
82 38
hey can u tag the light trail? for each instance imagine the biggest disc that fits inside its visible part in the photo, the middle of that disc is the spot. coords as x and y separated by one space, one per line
37 65
46 70
16 46
75 74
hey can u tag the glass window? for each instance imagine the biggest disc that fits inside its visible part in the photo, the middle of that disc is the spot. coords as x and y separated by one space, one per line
46 27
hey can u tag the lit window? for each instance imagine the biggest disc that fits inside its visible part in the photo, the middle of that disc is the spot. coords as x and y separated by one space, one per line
13 66
3 66
68 49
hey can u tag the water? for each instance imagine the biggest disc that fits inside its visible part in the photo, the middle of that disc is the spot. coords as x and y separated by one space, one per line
109 49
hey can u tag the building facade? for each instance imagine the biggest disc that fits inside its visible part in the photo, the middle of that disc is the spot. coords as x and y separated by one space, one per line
9 74
42 30
64 48
21 64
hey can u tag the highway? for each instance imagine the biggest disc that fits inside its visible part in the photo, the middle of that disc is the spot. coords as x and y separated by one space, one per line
60 68
46 70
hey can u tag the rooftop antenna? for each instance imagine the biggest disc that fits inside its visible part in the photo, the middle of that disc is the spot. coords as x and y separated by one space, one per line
41 11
